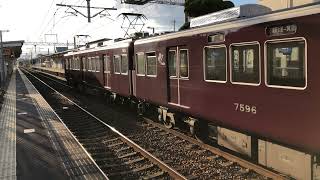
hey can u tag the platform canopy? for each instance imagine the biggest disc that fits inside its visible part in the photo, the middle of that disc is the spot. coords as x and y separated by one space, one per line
12 49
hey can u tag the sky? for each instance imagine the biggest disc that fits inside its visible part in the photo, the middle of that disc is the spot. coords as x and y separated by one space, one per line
43 21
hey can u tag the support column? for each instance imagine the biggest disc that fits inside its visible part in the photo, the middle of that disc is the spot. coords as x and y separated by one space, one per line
1 61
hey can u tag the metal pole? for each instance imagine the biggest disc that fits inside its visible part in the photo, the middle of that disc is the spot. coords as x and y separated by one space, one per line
74 42
88 7
2 61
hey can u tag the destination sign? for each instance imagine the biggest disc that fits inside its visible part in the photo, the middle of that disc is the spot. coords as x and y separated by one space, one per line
281 30
216 38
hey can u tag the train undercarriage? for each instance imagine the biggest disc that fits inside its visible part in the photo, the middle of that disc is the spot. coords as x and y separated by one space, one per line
286 160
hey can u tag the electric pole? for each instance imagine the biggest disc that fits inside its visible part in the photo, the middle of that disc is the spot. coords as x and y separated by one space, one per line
2 58
88 7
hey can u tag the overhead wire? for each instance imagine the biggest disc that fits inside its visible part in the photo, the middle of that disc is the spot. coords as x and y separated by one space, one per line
93 27
53 18
43 20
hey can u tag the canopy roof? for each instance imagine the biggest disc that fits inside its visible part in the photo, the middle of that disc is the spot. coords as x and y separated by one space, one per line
12 49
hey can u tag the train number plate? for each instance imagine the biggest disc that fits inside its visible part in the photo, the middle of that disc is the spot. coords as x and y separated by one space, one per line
245 108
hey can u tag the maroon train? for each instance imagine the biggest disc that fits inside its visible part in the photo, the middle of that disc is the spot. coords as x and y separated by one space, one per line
254 81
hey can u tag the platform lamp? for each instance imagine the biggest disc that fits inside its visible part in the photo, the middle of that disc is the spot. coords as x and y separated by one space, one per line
151 28
2 59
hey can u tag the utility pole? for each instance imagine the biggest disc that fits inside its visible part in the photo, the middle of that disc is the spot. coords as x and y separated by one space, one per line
88 7
30 50
35 49
2 59
174 25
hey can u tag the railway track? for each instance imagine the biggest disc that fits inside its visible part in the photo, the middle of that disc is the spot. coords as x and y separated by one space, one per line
190 158
116 155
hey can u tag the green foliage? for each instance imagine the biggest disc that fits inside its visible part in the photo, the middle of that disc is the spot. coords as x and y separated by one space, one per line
195 8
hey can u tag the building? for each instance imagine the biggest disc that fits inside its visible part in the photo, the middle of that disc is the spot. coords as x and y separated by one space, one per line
11 51
282 4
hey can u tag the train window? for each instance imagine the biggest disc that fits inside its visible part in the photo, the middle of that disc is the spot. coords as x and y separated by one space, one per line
151 64
141 68
89 64
107 64
184 63
286 63
97 62
172 63
124 64
245 63
93 63
67 64
72 63
77 65
215 64
117 64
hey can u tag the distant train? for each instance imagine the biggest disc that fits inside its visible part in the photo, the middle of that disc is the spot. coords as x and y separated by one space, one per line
250 82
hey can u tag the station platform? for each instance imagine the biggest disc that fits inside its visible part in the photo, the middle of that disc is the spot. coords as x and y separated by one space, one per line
56 73
34 142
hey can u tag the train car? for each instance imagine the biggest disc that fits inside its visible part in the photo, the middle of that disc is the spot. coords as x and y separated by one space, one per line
73 69
253 79
53 64
107 67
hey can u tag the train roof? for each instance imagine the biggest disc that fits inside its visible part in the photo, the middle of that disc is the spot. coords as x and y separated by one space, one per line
299 11
112 44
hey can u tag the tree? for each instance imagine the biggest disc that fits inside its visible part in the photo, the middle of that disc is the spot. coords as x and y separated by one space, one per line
195 8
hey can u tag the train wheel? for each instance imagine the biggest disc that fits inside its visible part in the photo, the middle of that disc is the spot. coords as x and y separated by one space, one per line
201 131
160 119
168 124
169 121
141 109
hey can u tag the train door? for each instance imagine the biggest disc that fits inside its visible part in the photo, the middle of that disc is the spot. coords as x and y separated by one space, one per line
107 71
178 71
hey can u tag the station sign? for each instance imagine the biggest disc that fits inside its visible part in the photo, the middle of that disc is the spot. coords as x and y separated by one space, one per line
281 30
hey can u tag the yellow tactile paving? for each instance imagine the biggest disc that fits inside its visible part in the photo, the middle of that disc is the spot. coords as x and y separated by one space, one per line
8 133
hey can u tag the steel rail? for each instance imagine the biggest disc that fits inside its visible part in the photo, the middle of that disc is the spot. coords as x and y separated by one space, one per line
51 78
260 170
173 173
83 148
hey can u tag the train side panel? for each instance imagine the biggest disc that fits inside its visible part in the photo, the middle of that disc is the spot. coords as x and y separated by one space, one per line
287 115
